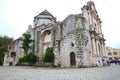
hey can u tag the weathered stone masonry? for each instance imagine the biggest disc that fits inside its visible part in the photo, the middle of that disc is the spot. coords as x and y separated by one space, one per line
77 40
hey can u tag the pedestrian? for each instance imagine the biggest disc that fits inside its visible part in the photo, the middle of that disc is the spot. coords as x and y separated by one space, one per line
103 62
99 64
108 62
119 61
115 61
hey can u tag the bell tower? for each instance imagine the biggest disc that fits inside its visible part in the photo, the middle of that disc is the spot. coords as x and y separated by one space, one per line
45 18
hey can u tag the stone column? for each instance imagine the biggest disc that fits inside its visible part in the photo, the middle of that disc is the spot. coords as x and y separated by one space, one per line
97 48
94 44
91 49
104 50
94 49
57 54
39 42
36 43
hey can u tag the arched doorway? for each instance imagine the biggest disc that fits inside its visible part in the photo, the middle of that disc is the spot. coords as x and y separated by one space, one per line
13 55
12 58
45 40
72 58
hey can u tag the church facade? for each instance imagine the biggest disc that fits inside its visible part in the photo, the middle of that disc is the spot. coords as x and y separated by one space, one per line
77 40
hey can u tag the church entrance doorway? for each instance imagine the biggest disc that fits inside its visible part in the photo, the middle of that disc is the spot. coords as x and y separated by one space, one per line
45 40
72 59
12 58
13 55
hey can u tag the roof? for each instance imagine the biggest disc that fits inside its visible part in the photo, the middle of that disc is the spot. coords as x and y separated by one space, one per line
45 12
90 3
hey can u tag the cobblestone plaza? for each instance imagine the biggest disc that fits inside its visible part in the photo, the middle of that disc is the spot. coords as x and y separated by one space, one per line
37 73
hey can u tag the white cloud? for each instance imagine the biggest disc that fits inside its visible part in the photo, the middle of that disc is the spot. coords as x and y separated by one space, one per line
16 15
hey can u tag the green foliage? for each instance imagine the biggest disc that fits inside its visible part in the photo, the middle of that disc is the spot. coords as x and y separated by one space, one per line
4 42
30 58
49 50
26 41
43 58
49 55
1 58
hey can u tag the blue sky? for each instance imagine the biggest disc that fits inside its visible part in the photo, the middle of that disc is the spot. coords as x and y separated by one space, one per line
16 15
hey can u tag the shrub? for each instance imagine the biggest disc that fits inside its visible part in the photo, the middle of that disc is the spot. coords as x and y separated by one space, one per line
43 58
31 58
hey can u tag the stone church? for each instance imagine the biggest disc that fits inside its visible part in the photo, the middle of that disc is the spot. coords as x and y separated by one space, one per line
77 40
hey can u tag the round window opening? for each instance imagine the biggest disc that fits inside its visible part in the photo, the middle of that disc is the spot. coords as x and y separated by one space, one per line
72 44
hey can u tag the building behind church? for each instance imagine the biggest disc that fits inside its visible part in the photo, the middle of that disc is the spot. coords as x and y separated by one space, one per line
112 53
77 40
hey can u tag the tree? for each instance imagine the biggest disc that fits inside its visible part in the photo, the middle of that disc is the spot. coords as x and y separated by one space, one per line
26 41
4 42
49 55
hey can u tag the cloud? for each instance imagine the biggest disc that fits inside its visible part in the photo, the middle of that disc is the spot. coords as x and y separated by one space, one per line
16 15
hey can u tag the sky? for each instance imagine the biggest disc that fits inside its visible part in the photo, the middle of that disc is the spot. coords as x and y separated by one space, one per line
17 15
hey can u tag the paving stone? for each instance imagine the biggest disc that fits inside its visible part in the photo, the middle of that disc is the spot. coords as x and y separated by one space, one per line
36 73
